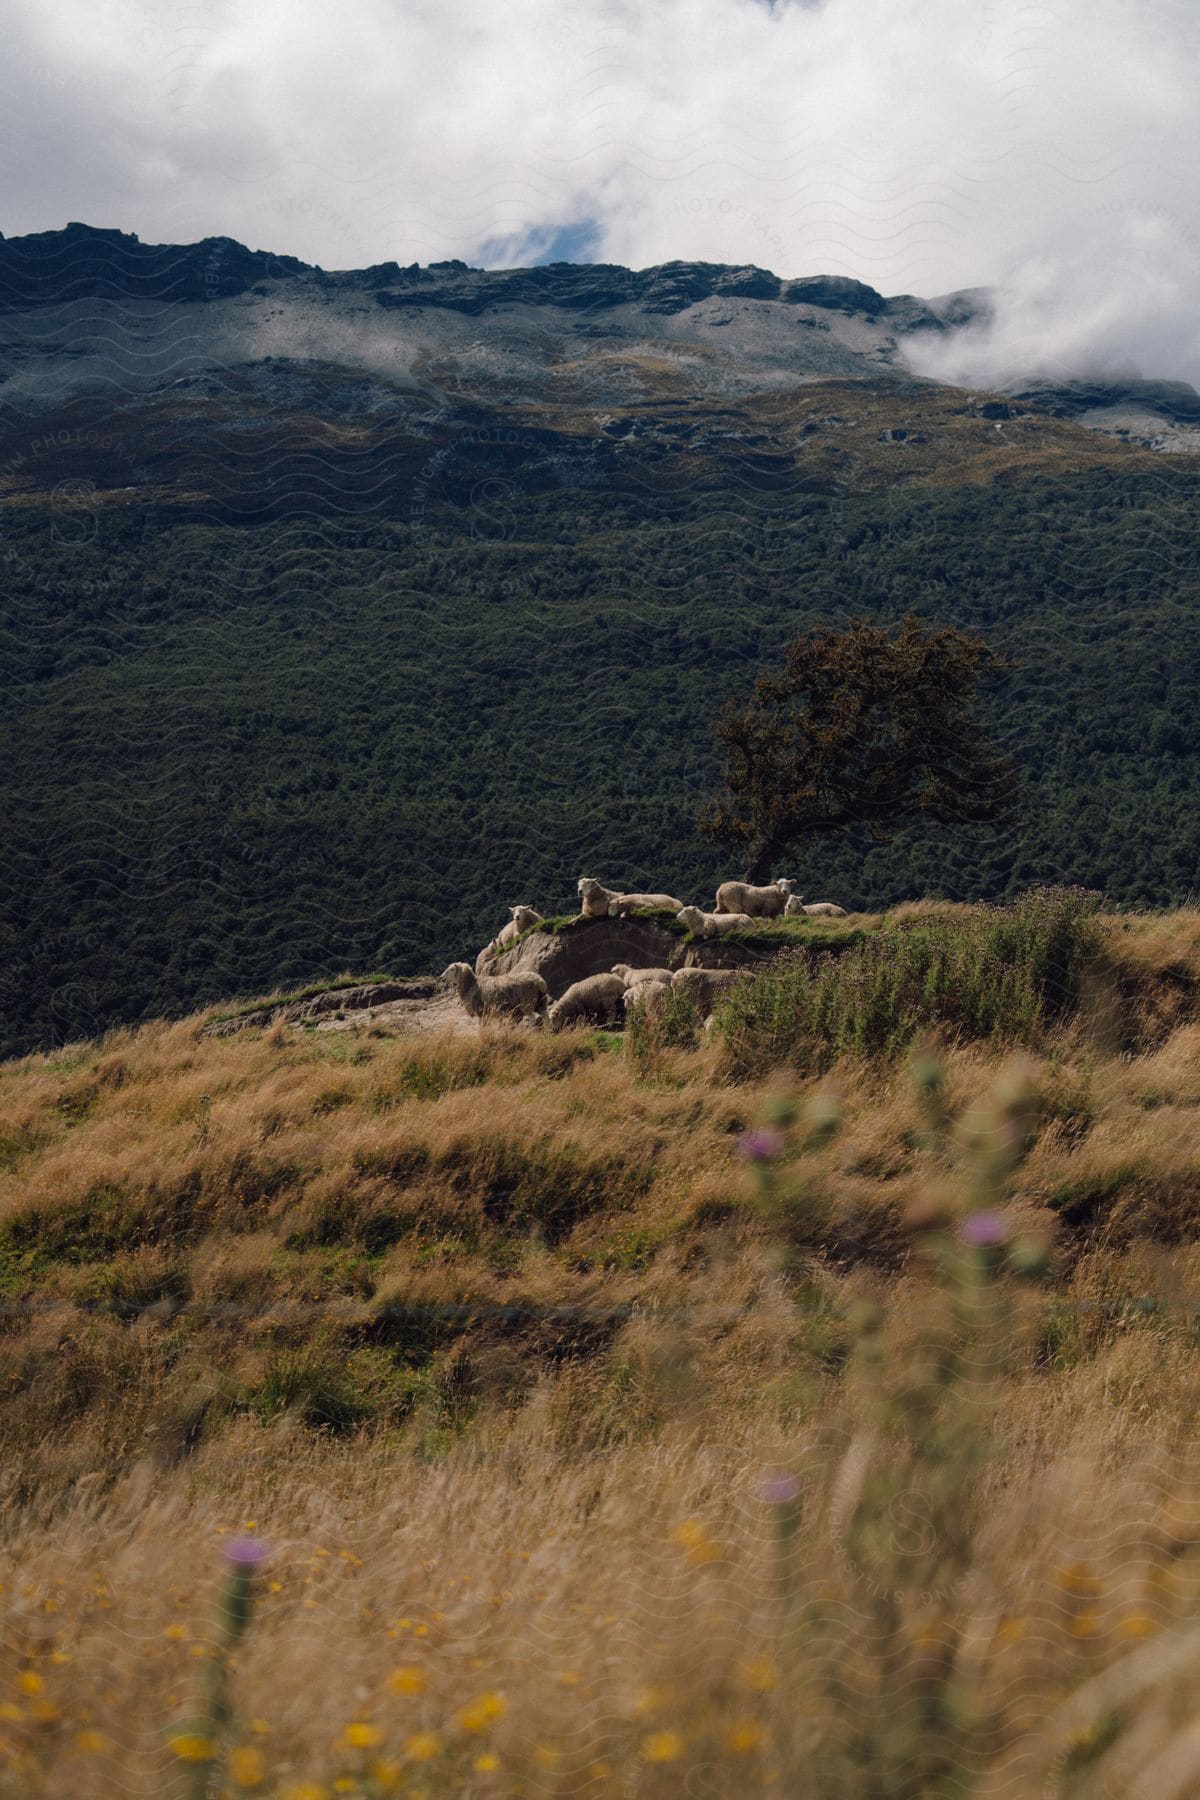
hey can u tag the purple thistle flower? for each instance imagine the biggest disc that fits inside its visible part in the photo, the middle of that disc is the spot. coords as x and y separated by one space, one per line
760 1145
246 1553
984 1229
779 1490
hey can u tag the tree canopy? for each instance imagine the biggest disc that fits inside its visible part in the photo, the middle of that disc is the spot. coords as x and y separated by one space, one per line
861 727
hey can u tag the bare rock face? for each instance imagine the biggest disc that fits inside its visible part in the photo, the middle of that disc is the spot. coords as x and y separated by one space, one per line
591 947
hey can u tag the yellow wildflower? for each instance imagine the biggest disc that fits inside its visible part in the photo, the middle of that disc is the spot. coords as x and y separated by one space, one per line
176 1633
305 1790
487 1764
1085 1624
30 1682
651 1700
407 1679
1137 1625
693 1537
423 1746
570 1678
745 1735
192 1746
93 1743
663 1747
482 1712
1077 1578
386 1775
247 1766
1010 1631
361 1736
759 1673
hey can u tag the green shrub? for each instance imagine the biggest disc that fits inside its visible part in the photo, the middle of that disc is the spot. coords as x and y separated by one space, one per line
1005 974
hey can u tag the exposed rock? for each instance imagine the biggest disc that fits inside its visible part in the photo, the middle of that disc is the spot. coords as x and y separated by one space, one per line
82 262
591 947
329 1004
1177 401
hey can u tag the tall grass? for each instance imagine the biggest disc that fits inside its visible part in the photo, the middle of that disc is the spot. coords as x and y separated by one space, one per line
1005 974
614 1430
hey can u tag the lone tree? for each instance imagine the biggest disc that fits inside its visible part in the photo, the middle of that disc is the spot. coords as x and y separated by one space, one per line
860 728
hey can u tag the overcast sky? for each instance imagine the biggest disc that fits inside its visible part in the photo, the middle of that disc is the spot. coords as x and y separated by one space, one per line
921 145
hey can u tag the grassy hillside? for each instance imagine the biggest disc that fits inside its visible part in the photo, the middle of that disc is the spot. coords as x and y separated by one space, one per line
729 1415
242 755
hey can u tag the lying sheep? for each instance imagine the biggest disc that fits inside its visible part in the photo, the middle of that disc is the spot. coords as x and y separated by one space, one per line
762 902
620 904
706 925
635 977
704 987
523 919
595 899
596 999
522 995
816 909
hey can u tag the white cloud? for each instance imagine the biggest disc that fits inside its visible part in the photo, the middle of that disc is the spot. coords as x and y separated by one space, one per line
920 145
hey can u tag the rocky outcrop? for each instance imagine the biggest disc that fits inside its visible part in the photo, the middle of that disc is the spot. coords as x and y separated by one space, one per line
329 1004
84 262
591 947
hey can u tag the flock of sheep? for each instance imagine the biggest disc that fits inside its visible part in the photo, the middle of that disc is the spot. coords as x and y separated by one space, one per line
605 999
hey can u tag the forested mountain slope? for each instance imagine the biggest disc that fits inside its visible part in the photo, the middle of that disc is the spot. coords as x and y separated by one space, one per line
320 651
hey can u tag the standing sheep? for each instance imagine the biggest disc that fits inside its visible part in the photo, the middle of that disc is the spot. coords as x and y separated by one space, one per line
762 902
634 977
816 909
597 999
704 987
523 919
522 996
706 925
650 995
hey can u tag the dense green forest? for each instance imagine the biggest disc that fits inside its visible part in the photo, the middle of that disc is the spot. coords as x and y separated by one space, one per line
237 756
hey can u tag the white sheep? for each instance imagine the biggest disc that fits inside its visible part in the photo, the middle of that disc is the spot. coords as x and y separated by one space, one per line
521 995
621 904
762 902
816 909
523 919
597 999
600 902
704 987
595 898
650 995
635 977
706 925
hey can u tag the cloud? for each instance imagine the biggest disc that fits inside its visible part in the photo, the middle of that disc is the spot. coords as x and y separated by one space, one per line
920 145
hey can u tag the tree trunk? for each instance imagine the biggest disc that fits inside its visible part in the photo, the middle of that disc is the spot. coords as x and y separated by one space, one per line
758 870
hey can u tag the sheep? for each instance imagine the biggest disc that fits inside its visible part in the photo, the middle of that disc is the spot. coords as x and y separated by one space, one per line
762 902
635 977
704 987
620 904
706 925
600 902
595 899
650 995
523 995
597 998
816 909
523 919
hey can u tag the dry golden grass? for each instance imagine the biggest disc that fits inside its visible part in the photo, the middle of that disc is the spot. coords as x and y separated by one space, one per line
495 1344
